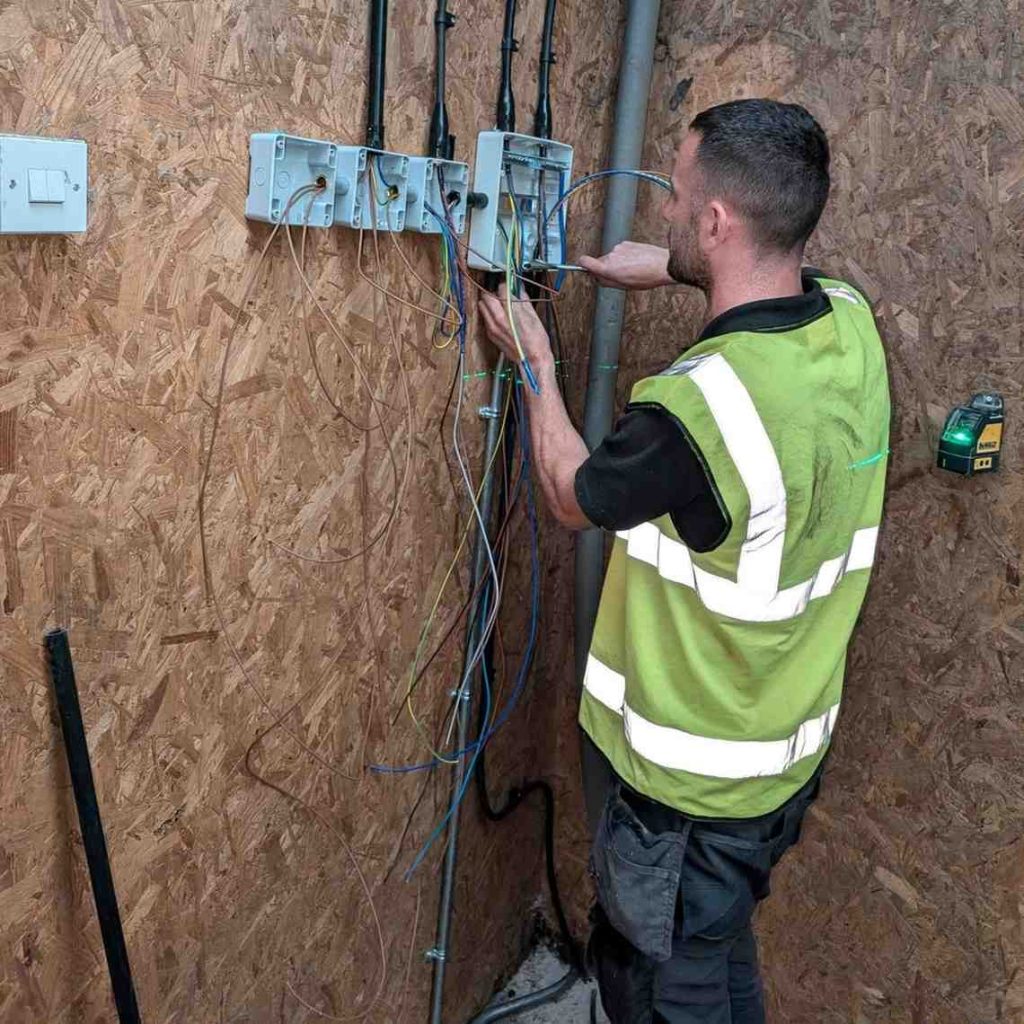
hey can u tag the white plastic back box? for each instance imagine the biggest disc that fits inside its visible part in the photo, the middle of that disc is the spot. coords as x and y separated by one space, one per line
536 172
43 185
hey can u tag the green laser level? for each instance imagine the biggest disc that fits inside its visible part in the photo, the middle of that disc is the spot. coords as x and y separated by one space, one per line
972 436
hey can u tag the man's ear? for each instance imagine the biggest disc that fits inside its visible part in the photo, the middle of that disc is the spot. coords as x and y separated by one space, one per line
719 222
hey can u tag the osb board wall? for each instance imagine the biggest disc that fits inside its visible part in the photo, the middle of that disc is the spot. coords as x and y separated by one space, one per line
903 903
239 904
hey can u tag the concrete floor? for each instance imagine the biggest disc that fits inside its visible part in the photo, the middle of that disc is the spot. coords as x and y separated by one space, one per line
543 967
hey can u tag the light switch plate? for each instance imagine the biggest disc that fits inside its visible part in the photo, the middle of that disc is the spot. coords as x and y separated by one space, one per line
43 185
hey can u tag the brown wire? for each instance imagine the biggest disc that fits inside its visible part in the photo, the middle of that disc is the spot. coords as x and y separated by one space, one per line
376 405
218 404
311 345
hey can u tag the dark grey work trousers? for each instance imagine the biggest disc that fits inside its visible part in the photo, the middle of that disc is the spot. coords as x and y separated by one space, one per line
673 941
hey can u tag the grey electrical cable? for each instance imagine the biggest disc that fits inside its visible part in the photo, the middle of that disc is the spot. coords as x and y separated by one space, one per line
527 1002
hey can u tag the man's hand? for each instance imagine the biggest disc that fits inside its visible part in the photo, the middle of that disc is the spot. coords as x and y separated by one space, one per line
532 336
632 265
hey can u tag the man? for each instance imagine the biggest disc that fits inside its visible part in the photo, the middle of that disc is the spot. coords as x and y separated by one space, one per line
744 485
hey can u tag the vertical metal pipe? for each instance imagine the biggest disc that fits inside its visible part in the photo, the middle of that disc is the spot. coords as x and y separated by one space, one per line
378 68
103 893
620 206
439 953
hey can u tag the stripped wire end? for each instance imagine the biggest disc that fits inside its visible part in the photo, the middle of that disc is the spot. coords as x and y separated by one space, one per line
531 378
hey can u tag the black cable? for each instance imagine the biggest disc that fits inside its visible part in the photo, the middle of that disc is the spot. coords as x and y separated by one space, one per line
378 67
441 143
505 119
542 115
76 748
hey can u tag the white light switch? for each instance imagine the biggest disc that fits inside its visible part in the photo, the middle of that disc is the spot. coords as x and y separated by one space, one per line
43 185
55 186
37 192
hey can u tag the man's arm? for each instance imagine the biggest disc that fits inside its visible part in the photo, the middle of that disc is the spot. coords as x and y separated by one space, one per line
632 265
557 450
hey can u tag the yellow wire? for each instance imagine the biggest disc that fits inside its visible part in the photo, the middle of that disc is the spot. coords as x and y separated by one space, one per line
448 293
440 593
512 250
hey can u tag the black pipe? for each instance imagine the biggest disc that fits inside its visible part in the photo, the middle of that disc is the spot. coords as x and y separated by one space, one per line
505 120
77 750
378 67
542 115
440 142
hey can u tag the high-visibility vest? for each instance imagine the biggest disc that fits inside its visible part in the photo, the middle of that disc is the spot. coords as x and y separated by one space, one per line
714 679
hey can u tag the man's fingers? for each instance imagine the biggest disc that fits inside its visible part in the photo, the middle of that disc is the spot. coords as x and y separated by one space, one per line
591 264
489 302
496 326
491 321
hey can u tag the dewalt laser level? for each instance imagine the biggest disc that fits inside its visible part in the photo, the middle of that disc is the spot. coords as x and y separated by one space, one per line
973 436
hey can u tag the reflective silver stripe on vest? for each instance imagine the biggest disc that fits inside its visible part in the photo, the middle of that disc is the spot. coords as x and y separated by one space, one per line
700 755
754 595
671 558
751 450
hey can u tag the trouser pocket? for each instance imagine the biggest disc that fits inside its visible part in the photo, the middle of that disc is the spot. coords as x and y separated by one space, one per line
637 874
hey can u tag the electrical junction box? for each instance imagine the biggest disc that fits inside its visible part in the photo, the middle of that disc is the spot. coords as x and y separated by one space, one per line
359 170
43 185
522 178
426 174
973 436
279 165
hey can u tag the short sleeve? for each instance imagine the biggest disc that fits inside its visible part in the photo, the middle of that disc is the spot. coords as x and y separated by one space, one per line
649 466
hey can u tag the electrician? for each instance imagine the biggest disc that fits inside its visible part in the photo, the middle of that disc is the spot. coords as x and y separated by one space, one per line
743 485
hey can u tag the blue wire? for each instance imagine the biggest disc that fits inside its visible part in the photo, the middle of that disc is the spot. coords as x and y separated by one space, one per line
528 654
453 260
474 748
527 660
654 179
528 373
531 511
467 778
563 241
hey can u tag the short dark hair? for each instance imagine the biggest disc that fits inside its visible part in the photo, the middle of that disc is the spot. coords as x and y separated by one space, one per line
770 159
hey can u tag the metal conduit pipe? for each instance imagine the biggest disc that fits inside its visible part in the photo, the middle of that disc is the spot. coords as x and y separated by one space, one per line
627 142
620 205
439 953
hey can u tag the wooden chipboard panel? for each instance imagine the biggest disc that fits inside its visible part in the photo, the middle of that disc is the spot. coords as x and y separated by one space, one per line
903 902
240 902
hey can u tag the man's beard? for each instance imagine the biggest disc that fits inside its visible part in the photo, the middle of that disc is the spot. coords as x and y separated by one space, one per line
686 263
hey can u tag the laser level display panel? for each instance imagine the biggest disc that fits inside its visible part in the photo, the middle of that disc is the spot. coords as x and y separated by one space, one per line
425 176
359 170
523 178
280 165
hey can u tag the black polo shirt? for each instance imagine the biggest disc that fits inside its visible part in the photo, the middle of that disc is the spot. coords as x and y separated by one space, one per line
650 466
